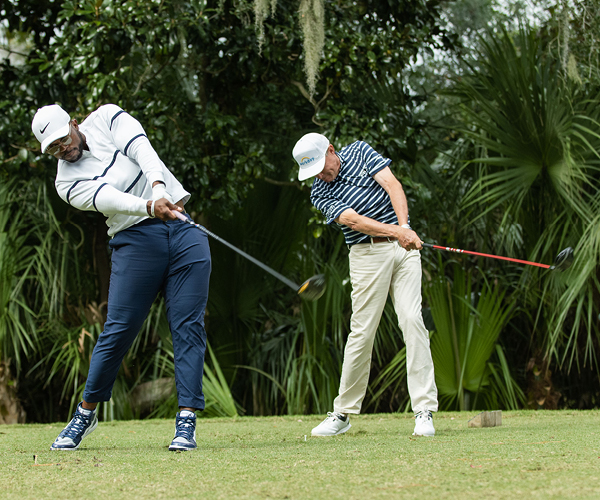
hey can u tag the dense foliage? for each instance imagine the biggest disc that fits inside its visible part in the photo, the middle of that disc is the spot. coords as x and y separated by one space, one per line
224 114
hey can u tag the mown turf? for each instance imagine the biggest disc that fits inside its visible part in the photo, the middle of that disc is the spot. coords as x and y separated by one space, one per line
532 455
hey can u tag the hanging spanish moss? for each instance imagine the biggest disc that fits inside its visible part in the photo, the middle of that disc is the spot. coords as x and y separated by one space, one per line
312 21
261 13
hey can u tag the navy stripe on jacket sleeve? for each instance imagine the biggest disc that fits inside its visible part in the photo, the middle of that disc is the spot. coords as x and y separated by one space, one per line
96 194
113 119
129 143
134 182
69 191
110 165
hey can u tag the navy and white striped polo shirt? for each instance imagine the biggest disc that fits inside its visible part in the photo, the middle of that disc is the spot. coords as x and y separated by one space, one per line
354 187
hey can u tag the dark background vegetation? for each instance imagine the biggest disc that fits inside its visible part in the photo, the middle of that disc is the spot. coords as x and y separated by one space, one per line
488 113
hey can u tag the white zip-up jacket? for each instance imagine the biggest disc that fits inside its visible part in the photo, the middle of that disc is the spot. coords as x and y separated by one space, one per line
115 176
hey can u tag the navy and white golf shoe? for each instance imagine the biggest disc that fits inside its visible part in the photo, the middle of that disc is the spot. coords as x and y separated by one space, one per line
185 432
83 423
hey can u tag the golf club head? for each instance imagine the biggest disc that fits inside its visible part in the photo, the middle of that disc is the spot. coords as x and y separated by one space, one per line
563 260
313 287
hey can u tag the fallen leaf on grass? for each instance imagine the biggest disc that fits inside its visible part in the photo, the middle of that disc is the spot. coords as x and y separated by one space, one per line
475 466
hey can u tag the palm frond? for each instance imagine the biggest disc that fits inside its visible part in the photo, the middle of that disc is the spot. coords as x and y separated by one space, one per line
467 326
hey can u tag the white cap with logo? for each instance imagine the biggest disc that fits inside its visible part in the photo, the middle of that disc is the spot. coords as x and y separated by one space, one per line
50 123
309 153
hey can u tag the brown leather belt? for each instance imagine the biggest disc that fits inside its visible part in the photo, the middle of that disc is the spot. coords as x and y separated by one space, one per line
375 239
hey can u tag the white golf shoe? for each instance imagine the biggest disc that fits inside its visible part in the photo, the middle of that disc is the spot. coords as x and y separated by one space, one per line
334 424
424 424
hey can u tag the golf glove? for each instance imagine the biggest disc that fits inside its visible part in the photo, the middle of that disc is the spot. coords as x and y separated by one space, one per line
160 191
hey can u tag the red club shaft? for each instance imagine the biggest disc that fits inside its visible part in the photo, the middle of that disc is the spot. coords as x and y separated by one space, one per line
458 250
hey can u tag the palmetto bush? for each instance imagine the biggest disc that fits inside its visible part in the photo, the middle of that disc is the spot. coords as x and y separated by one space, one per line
49 321
528 187
17 319
536 138
280 354
470 367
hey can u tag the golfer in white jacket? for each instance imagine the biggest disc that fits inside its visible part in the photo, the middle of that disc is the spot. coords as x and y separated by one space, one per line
107 164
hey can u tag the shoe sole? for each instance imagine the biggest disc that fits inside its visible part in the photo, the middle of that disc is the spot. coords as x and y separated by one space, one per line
345 429
176 448
86 433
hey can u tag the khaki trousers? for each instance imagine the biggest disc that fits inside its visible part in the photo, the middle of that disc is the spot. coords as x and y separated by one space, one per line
377 269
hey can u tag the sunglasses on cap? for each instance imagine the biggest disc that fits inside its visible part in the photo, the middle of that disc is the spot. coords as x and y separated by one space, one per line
59 144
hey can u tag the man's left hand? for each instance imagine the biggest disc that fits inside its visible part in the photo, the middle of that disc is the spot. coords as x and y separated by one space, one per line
409 240
163 209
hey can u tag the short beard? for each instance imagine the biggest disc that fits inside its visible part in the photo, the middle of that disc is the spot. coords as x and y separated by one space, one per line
79 148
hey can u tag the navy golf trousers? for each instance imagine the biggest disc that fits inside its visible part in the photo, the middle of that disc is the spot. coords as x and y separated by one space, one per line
152 256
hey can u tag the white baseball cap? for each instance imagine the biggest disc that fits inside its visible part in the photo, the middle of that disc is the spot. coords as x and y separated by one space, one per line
309 153
50 123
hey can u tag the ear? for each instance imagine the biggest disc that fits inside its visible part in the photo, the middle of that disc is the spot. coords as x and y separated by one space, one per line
74 123
330 149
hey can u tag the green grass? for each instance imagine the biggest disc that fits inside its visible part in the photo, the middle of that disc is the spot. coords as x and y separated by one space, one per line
533 455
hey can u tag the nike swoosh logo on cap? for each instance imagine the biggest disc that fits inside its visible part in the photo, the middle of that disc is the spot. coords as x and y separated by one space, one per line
43 130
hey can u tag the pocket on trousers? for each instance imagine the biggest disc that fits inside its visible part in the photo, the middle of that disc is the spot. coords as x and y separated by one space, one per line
360 249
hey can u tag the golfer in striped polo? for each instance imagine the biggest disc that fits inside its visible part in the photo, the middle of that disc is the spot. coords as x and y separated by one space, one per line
355 189
107 164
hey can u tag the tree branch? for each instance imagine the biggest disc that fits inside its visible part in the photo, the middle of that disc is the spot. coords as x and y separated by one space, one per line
309 98
10 159
11 51
148 69
33 150
300 186
304 92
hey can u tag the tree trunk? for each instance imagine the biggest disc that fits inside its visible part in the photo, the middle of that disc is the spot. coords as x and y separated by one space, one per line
11 411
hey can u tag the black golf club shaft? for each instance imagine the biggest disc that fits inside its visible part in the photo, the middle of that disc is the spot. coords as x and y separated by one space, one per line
264 267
